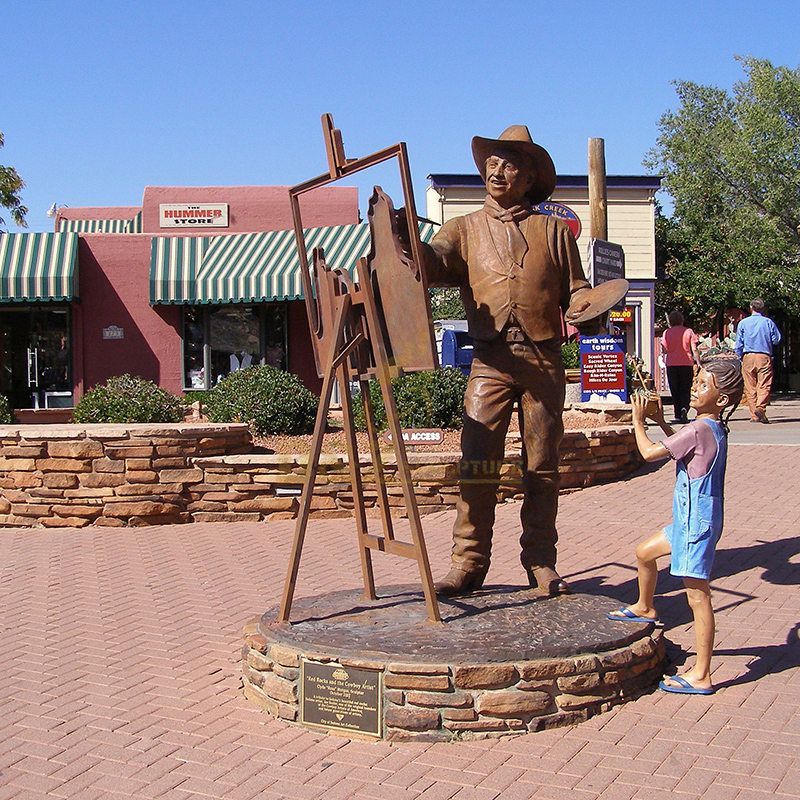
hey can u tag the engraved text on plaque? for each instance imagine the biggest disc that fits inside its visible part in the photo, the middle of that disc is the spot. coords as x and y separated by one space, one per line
341 698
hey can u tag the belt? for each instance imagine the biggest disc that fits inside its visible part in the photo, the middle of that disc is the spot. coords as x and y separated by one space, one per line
757 353
513 333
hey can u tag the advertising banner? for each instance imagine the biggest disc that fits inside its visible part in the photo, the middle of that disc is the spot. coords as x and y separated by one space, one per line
622 316
603 368
193 215
564 213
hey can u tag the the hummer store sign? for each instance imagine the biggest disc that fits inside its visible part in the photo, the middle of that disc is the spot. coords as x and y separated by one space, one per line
193 215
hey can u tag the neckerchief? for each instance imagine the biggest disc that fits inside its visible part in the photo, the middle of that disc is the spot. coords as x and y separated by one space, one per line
511 217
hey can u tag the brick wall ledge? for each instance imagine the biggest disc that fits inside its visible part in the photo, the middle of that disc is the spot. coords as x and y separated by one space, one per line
61 476
618 434
256 486
73 476
102 431
612 410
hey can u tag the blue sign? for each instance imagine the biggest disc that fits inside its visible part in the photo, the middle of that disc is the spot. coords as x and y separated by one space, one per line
562 212
603 368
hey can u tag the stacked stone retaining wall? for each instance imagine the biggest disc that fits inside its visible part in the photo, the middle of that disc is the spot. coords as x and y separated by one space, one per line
441 701
252 487
72 476
75 475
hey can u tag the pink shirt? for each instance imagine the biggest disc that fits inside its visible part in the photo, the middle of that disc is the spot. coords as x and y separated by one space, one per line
695 445
676 344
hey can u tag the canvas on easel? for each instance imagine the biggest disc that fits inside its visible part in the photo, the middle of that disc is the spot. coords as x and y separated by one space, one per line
376 327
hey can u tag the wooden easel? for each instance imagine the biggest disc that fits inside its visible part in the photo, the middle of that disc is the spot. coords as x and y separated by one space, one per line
357 336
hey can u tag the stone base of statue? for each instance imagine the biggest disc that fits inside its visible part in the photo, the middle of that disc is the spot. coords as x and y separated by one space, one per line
505 661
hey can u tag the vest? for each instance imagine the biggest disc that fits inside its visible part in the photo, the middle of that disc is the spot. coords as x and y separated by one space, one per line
493 287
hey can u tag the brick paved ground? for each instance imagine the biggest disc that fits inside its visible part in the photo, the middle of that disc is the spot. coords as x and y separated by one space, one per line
98 699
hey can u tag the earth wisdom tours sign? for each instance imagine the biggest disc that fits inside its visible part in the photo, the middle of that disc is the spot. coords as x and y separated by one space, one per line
193 215
603 375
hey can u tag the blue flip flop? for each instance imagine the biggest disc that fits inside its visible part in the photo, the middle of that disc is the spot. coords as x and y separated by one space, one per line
626 615
683 687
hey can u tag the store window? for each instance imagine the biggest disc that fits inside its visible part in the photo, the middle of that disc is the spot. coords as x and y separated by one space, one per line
218 340
194 340
35 359
234 339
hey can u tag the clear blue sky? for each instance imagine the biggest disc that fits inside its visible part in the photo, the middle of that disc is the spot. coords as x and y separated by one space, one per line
100 99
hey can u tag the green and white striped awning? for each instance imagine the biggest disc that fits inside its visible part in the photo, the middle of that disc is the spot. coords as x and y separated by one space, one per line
174 264
135 224
102 225
249 267
38 266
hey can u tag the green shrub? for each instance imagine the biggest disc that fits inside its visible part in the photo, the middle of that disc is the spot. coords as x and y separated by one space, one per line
193 395
128 398
268 399
6 417
570 354
378 408
424 400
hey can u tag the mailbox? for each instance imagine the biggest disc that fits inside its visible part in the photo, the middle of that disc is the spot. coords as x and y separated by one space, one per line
457 350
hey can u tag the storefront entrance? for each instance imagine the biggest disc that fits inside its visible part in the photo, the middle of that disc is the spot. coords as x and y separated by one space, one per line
35 370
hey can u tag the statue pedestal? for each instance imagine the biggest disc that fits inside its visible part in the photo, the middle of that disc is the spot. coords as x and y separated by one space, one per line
505 661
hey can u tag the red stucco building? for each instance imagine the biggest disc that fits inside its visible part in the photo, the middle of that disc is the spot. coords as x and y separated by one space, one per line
192 284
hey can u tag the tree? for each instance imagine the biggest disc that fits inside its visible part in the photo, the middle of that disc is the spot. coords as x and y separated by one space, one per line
731 162
10 187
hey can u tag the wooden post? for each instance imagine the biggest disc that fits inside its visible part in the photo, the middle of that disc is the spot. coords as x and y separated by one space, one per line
598 211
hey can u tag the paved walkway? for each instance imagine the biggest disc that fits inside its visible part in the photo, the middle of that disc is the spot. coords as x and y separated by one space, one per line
784 427
119 662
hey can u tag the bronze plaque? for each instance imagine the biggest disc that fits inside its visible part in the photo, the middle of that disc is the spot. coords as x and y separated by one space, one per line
340 698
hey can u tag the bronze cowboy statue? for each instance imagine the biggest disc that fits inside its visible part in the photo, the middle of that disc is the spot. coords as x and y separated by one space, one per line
517 270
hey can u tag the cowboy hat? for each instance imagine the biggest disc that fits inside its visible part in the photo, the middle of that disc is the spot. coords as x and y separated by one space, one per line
517 138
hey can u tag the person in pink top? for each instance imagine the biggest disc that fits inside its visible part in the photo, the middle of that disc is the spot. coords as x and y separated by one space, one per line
679 348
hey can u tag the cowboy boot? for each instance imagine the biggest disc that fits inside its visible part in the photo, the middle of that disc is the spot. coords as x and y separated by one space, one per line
472 541
457 582
547 581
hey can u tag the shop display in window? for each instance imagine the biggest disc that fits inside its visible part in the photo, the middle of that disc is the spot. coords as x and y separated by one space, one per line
219 340
194 349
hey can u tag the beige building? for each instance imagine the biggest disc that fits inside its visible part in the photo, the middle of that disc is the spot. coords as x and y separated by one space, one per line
631 224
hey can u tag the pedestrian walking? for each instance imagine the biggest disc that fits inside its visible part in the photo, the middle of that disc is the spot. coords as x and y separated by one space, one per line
756 338
679 348
700 451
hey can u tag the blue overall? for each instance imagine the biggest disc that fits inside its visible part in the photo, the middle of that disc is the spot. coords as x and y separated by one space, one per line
697 513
